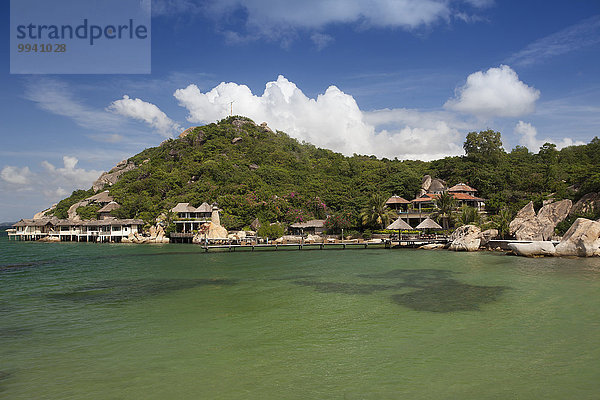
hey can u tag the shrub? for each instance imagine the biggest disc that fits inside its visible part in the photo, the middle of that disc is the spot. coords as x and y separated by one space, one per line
272 231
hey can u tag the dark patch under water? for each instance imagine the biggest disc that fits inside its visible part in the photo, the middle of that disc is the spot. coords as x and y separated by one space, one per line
437 290
12 267
126 289
345 288
413 278
14 332
449 296
4 376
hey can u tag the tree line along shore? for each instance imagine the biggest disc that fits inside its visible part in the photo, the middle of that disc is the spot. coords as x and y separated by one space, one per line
253 174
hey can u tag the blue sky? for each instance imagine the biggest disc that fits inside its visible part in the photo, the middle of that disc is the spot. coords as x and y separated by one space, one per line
405 78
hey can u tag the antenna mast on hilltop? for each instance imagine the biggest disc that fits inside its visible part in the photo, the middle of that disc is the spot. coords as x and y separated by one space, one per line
231 109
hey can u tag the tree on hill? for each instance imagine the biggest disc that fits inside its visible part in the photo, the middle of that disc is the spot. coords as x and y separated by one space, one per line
484 146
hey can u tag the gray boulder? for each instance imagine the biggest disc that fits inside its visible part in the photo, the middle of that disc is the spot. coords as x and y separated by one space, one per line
533 249
111 177
488 235
529 226
465 238
581 240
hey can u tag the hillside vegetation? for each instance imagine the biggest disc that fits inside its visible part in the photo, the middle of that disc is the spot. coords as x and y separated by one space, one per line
252 172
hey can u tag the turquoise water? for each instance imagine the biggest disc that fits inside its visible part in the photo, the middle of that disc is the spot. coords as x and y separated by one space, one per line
88 321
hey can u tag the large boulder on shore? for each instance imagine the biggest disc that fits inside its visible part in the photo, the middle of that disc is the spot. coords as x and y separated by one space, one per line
465 238
529 226
488 235
581 240
538 248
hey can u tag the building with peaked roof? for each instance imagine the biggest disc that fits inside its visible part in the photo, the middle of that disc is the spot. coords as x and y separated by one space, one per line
105 211
437 186
462 188
397 203
313 227
110 229
189 218
425 203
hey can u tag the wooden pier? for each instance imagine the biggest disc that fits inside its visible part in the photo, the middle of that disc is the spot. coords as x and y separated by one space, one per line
295 246
387 244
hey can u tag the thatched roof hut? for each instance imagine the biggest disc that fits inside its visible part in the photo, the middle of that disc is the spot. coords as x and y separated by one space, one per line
313 223
461 187
38 222
400 225
396 200
182 208
428 223
437 186
204 208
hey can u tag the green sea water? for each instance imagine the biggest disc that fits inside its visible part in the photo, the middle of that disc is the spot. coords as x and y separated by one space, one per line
89 321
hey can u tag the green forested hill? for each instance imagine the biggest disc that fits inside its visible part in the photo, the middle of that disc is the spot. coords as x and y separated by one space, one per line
252 172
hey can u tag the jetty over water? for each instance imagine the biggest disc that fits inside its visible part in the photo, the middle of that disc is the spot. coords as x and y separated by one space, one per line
339 245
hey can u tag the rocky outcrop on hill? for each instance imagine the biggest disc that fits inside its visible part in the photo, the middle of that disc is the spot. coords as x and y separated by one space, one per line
533 249
465 238
425 184
581 240
111 177
186 132
588 204
529 226
41 214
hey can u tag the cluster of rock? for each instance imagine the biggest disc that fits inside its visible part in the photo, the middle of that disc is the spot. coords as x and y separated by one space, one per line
529 226
470 238
211 230
156 235
111 177
581 240
431 185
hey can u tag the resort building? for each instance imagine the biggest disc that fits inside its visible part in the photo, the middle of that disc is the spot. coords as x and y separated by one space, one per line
109 229
312 227
189 219
465 195
397 203
417 210
105 211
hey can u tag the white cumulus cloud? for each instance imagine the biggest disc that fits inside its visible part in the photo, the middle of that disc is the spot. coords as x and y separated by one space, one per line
15 175
332 120
146 112
497 92
528 138
69 174
285 20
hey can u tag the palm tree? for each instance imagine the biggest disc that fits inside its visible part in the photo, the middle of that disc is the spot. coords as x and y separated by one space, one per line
468 215
502 222
446 203
376 213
